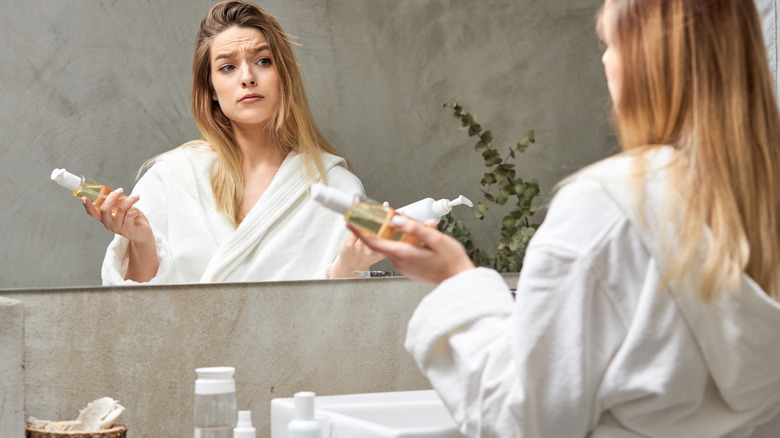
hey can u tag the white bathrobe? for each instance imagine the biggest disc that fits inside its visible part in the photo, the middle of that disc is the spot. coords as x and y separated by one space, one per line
593 346
285 236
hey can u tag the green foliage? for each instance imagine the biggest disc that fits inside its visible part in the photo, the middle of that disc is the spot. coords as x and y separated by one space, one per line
500 185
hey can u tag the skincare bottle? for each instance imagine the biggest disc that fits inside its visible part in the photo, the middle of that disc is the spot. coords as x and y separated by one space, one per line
81 186
244 429
429 209
361 213
215 402
303 424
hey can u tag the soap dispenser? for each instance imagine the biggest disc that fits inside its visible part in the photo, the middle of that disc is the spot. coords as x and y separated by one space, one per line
303 424
429 209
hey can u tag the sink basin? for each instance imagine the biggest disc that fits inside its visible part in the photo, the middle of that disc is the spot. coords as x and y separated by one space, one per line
402 414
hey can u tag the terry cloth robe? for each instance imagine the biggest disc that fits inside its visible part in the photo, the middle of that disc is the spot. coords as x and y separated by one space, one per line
594 345
286 236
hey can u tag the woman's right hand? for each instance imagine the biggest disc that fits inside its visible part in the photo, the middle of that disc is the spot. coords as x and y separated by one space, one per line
131 224
128 222
439 258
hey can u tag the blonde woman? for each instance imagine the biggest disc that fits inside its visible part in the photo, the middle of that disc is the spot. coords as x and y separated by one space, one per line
648 301
233 206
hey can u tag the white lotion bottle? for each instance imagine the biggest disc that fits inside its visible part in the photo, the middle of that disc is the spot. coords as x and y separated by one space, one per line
429 209
303 424
244 429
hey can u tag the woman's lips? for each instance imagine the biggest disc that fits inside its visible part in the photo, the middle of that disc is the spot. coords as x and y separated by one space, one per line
249 98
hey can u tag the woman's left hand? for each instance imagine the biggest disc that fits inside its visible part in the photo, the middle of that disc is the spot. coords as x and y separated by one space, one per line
354 255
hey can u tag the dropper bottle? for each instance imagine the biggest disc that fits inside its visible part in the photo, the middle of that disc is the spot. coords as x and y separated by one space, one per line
429 209
361 213
81 186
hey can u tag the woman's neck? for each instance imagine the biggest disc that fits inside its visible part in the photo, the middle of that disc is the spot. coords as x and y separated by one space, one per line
261 158
257 149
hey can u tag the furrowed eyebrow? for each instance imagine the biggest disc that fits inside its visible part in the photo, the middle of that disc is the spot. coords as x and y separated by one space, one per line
231 54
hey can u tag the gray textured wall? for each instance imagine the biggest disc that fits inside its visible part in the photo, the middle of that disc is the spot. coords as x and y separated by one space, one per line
98 87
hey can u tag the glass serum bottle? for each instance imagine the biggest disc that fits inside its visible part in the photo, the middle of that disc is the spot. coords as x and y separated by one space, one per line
361 213
81 186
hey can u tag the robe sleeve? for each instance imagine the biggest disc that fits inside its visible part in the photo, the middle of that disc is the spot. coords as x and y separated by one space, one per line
529 368
154 203
344 180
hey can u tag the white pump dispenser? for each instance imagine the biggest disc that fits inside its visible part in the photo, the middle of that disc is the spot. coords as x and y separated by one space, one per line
429 210
244 429
303 424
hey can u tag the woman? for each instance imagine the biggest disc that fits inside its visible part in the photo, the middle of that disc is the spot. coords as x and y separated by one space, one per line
648 301
233 206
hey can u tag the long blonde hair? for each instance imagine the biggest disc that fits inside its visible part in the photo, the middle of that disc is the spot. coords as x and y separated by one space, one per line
292 127
695 76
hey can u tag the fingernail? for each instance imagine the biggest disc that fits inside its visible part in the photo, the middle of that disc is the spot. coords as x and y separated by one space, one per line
119 190
399 221
136 196
84 201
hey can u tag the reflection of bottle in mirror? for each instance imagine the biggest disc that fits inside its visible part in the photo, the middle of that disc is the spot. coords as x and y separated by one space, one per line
81 186
429 209
360 212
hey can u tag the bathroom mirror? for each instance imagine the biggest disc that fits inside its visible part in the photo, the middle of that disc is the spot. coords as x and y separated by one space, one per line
98 87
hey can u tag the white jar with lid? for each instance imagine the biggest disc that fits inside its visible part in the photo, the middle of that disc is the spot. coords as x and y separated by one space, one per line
215 402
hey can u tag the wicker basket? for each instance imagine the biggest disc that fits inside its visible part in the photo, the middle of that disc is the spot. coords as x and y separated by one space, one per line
119 431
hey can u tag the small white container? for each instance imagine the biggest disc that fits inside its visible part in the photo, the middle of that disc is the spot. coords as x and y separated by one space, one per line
303 424
244 429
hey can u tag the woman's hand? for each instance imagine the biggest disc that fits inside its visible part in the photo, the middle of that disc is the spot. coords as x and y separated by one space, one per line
440 257
354 255
131 224
126 221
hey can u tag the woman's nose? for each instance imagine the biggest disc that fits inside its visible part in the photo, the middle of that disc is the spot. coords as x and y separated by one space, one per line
247 79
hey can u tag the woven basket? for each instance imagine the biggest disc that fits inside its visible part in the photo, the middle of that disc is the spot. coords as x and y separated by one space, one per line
119 431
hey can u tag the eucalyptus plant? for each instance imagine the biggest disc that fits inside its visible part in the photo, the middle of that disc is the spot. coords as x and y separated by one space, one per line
500 185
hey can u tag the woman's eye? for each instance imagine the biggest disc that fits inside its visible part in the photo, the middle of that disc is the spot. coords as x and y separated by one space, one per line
264 61
227 68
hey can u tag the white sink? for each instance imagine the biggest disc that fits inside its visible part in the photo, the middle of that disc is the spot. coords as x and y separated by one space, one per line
403 414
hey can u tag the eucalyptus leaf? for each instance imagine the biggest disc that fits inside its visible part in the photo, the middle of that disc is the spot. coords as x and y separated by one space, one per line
516 230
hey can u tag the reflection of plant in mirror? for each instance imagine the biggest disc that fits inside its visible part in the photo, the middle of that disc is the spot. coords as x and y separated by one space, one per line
499 186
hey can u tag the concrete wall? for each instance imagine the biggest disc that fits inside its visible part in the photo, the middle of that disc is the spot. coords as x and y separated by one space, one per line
11 368
140 345
98 87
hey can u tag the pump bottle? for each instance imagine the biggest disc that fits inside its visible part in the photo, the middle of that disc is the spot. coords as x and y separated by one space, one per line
429 209
244 429
81 186
361 213
303 424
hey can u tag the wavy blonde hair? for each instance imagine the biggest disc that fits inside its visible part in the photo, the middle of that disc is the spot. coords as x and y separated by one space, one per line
292 127
695 76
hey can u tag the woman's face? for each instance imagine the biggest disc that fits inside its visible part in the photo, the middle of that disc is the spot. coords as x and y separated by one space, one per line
611 57
243 76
